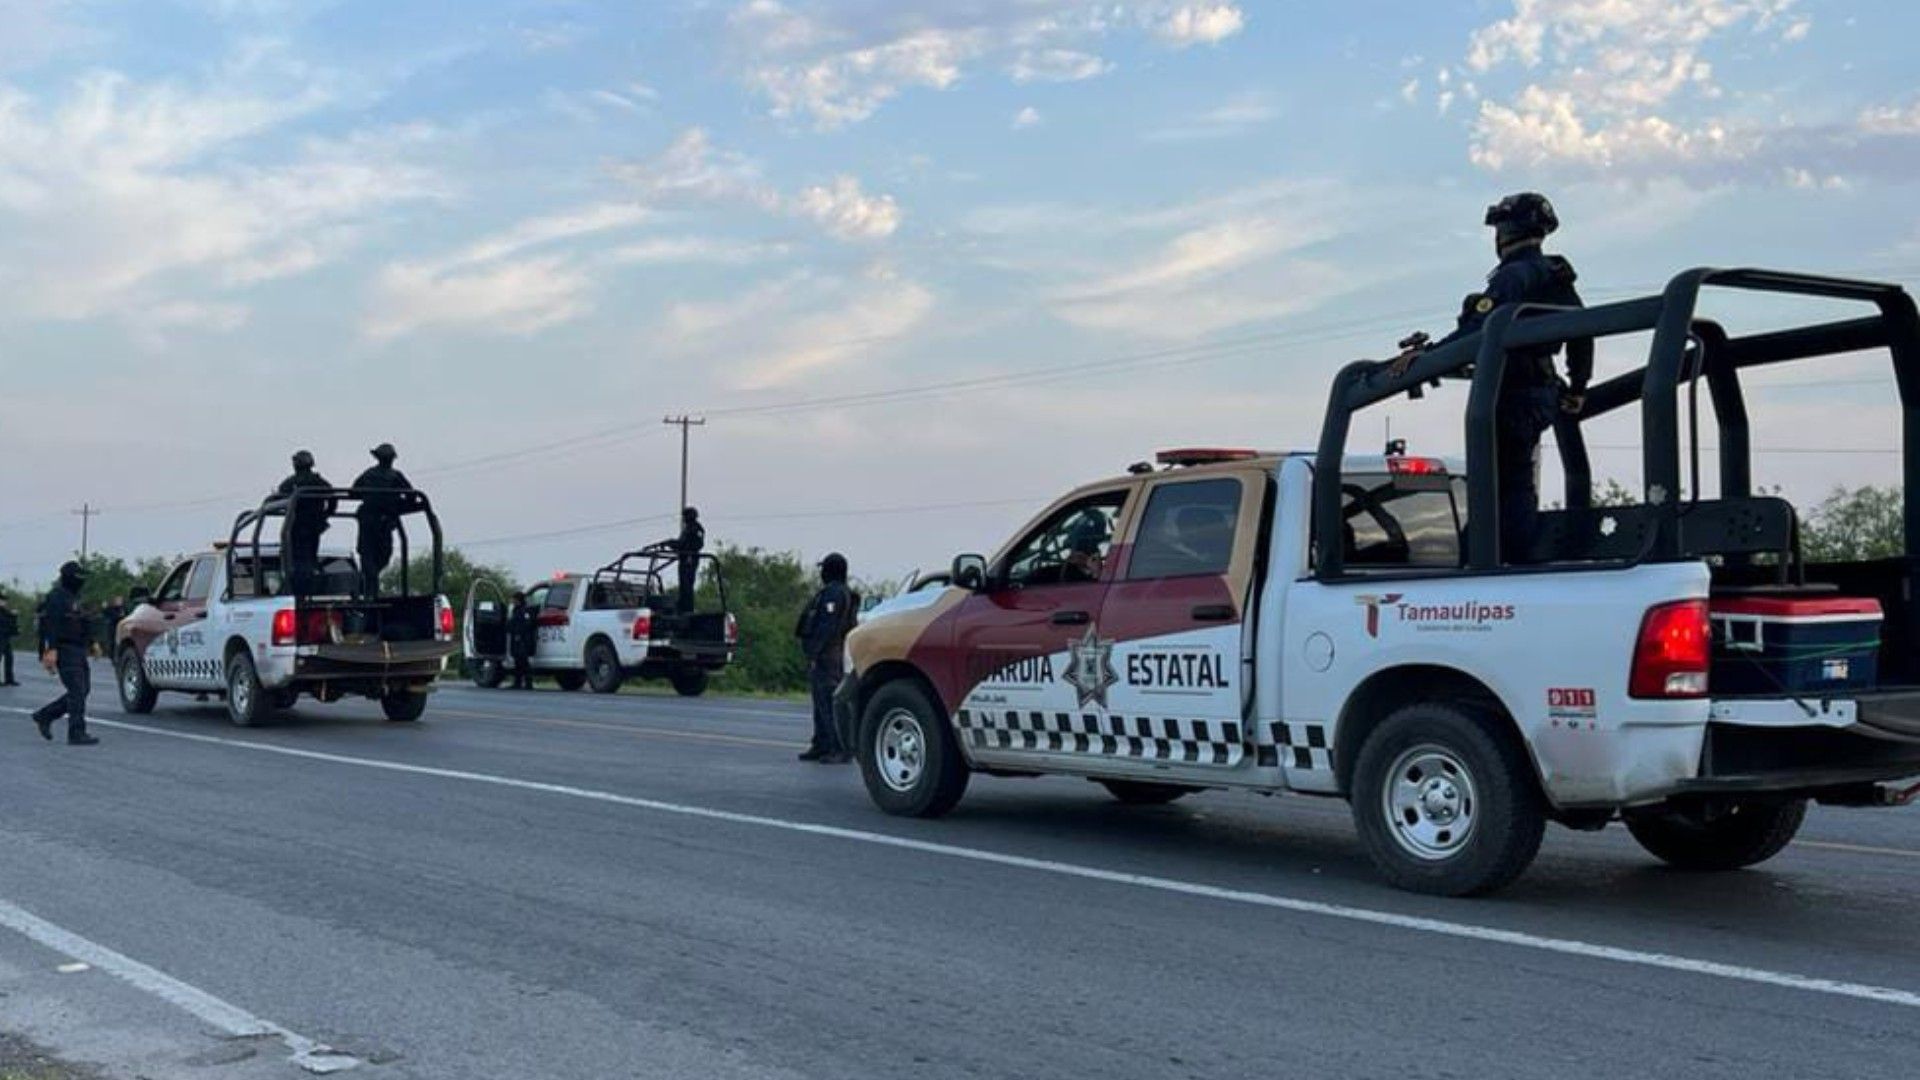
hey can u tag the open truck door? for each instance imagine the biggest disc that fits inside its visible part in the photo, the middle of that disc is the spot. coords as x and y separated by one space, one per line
483 634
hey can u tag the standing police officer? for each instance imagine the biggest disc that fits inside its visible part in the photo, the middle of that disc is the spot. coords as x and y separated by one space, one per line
1532 394
307 521
691 541
823 633
9 628
66 632
378 515
522 638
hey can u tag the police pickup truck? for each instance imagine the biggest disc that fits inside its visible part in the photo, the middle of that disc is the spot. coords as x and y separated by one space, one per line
598 630
225 622
1349 626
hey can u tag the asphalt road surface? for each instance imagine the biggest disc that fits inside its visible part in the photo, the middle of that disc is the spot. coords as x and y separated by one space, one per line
552 885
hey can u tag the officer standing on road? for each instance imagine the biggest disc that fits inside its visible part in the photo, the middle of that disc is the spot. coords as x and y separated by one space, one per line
691 541
1532 394
308 521
9 629
378 515
522 637
822 632
65 634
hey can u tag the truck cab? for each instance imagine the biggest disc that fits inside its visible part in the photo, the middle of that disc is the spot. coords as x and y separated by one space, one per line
1346 625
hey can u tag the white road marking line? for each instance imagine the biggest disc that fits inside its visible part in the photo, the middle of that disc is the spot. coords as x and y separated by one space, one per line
222 1015
1444 928
1857 849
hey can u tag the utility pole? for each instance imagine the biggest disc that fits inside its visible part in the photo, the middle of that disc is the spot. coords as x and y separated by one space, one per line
86 514
686 424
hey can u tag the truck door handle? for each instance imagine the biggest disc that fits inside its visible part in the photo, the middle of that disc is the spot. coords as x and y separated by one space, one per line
1071 618
1213 613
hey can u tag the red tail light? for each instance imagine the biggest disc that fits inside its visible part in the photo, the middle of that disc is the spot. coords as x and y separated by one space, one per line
733 629
1670 659
643 626
283 627
446 618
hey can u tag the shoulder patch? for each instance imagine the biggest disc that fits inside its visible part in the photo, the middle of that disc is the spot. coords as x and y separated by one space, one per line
1483 305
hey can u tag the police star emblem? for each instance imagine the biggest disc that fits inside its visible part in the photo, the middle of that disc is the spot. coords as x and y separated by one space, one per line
1090 668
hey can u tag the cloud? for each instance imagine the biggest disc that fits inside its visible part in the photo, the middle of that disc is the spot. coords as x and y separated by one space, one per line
669 250
136 200
1234 117
837 63
1026 118
692 169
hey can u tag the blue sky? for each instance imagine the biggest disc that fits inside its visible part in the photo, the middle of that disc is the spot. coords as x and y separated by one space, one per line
510 236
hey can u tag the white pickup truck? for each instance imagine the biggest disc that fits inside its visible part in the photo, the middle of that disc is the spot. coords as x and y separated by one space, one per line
1348 626
601 629
224 622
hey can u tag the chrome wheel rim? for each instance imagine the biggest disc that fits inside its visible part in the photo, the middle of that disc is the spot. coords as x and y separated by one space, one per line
240 694
900 750
130 678
1430 803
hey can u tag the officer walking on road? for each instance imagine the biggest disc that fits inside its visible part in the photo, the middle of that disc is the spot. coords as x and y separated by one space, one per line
9 629
378 515
691 541
1532 394
522 637
822 632
66 631
308 521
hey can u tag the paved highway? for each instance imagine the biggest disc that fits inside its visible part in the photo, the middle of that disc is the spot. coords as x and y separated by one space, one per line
561 885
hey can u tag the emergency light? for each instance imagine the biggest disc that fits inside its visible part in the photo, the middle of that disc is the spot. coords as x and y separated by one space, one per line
1201 455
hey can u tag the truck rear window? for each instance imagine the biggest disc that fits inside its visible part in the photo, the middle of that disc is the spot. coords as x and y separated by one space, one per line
1384 525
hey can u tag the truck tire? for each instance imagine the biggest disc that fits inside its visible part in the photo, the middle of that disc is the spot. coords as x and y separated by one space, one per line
603 668
403 706
488 674
1145 793
1443 803
908 757
137 695
689 682
246 698
1746 834
570 680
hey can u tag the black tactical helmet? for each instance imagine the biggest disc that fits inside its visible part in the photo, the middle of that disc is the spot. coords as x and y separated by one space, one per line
688 513
72 573
384 452
834 567
303 459
1527 213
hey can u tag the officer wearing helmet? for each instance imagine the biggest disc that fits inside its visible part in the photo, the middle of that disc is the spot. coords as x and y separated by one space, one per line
1533 396
306 520
66 633
378 515
822 632
688 545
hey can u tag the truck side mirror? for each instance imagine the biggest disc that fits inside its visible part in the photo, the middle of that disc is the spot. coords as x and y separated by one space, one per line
970 572
138 595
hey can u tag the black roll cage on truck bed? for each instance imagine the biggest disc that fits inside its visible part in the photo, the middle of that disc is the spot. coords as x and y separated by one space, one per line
249 525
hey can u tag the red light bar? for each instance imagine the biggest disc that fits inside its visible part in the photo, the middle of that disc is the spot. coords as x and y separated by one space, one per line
1416 466
1202 455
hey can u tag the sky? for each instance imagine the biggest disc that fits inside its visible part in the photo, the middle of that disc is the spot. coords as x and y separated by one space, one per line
922 264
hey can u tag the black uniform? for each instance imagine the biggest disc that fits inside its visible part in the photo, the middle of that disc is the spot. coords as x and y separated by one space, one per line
309 520
66 630
522 637
691 541
9 628
378 517
822 631
1532 391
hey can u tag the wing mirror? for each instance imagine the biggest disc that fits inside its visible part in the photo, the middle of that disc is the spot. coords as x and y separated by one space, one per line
138 595
970 572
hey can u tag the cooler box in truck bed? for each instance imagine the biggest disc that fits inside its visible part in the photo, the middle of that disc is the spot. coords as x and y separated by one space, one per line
1800 645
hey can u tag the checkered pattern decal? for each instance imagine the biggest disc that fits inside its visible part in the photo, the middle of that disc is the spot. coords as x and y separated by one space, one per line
1297 745
1200 742
172 669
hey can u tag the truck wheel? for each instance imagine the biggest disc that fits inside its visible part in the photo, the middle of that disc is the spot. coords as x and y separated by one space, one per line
246 698
603 668
488 674
137 695
1445 805
403 706
1741 835
908 758
570 680
690 682
1144 793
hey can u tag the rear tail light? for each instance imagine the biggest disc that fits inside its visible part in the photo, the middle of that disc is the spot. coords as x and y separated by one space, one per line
1670 658
643 626
733 630
444 612
283 626
292 627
